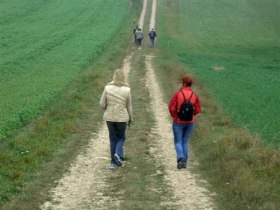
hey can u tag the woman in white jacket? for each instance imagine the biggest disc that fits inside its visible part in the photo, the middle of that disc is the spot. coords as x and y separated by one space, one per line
116 100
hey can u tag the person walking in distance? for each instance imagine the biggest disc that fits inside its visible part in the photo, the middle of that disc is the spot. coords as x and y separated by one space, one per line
139 36
183 106
134 32
152 35
116 101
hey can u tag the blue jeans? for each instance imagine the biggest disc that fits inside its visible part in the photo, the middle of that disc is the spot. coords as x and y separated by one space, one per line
152 42
182 133
117 138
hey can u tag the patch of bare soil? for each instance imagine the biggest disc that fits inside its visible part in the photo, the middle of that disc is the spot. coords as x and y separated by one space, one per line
85 181
218 68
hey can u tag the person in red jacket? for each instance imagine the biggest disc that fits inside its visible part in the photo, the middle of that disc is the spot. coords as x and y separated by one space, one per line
182 129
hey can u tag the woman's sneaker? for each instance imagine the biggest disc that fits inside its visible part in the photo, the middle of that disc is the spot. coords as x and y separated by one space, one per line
117 160
181 163
185 163
112 166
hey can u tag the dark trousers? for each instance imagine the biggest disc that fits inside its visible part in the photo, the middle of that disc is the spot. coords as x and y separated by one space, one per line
117 138
139 41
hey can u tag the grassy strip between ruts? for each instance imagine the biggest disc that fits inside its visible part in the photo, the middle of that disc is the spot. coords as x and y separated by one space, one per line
242 170
140 183
38 154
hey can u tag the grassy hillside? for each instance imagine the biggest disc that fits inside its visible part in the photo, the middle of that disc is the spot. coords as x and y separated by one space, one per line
34 155
233 47
44 45
198 38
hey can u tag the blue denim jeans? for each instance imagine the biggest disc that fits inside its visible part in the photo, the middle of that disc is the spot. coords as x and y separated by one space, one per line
117 138
182 133
152 42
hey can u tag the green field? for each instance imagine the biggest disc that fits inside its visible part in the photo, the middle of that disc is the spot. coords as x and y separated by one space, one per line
55 59
233 48
44 46
56 56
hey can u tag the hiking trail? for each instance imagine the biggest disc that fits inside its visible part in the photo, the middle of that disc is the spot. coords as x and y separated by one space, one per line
84 185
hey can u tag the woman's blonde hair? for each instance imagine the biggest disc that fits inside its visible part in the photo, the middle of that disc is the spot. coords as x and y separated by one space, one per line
119 78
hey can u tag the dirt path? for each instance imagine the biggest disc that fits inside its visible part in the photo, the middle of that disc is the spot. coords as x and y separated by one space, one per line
83 186
186 185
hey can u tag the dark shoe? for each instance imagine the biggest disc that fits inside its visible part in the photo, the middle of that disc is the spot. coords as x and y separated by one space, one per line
117 160
185 164
180 163
112 166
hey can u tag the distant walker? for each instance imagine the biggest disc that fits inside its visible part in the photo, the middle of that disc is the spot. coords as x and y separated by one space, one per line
139 36
152 35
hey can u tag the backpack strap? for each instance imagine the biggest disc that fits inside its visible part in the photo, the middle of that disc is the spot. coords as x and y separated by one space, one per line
191 96
185 97
183 94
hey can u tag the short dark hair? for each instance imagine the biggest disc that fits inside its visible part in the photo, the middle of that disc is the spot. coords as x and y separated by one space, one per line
186 80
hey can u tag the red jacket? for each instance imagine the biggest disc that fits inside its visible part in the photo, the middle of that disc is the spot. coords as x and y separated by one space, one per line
177 99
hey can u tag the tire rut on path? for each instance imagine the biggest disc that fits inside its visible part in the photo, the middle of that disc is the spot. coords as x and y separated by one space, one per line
189 194
83 186
85 177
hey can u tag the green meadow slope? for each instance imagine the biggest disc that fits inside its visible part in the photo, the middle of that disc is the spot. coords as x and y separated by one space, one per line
44 46
55 59
233 48
58 55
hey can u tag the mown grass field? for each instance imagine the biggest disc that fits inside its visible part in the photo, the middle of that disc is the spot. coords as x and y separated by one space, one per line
233 48
44 46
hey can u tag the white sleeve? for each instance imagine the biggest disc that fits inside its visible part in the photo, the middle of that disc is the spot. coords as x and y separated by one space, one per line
129 107
103 100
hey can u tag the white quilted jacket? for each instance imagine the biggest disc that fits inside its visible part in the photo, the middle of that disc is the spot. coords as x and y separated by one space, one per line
116 100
